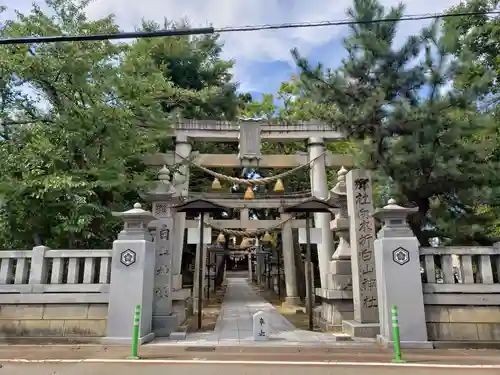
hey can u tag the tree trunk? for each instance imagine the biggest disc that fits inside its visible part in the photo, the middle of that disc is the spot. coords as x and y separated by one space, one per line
417 221
37 240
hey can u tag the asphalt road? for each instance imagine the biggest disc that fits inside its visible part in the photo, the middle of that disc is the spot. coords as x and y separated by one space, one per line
218 369
306 354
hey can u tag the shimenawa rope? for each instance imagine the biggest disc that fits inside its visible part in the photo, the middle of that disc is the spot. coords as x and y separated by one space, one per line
242 181
249 233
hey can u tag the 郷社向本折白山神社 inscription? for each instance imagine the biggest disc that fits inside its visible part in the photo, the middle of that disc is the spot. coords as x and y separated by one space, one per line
362 233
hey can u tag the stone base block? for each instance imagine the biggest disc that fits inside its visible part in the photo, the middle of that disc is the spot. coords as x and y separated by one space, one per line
176 282
333 294
177 336
325 326
364 330
164 325
336 311
339 223
127 340
405 344
341 337
182 309
339 282
340 267
181 294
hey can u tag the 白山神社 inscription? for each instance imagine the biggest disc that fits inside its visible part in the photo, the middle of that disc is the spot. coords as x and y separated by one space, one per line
163 272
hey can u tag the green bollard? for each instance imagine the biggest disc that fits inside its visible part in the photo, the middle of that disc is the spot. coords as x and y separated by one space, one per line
397 340
135 333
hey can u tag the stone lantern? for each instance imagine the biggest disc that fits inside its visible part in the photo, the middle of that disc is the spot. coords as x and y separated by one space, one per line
340 225
394 217
336 299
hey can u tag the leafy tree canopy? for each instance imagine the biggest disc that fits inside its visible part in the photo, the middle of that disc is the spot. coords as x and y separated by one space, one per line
423 136
76 119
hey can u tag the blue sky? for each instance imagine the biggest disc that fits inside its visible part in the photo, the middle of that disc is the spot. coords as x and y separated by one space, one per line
262 58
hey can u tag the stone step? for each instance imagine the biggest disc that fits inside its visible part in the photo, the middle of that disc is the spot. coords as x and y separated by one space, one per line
342 337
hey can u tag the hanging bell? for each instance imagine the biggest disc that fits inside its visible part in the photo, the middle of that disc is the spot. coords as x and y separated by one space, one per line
221 238
267 237
216 184
249 194
279 187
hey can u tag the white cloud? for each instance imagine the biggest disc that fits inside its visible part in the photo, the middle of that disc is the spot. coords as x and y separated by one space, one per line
247 47
261 45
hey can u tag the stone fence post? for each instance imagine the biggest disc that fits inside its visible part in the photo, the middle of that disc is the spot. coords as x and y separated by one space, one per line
399 282
132 278
38 268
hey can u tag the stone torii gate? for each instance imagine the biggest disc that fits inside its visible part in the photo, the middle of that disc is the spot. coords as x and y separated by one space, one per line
348 278
249 135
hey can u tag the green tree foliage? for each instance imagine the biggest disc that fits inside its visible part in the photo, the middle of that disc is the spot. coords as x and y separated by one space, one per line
72 130
203 82
477 40
77 118
204 86
420 134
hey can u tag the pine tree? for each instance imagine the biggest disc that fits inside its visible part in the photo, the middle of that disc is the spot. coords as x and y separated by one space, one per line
425 137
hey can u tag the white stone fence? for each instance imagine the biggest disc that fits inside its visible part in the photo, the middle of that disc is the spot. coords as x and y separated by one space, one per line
43 275
457 275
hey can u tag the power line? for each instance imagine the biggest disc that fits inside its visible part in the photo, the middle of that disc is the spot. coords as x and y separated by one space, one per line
99 37
415 17
212 30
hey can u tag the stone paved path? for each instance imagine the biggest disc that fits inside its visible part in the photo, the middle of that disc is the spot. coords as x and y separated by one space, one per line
234 325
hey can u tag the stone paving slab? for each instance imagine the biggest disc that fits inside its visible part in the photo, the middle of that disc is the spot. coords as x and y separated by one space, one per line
234 324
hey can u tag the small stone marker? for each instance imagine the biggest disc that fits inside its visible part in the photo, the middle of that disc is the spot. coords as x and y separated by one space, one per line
260 326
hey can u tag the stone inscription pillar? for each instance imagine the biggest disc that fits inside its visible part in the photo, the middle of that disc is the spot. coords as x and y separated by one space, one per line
362 234
163 320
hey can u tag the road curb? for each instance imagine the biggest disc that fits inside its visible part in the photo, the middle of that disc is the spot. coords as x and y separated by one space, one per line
267 363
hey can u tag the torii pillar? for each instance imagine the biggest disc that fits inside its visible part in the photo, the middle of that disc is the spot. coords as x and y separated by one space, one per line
319 189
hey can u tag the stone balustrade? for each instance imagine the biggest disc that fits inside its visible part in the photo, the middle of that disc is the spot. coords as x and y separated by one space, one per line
44 273
65 293
461 287
54 293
